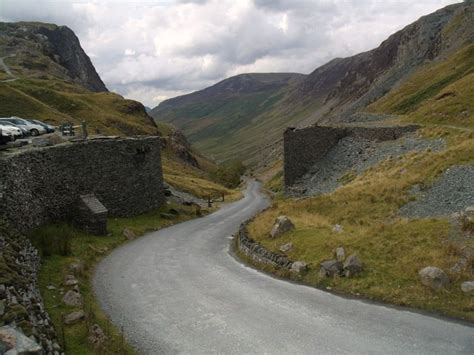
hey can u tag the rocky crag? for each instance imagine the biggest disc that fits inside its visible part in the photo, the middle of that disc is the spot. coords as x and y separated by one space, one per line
39 47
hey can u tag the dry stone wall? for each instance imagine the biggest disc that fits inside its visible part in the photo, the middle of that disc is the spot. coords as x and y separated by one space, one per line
41 185
304 147
258 253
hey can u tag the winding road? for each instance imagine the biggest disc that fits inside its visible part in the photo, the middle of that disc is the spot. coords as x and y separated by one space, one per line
178 290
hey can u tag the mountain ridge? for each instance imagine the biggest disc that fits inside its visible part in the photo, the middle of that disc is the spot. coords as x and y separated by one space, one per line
336 91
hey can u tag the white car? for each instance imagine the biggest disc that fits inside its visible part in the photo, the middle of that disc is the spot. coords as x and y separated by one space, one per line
10 131
34 129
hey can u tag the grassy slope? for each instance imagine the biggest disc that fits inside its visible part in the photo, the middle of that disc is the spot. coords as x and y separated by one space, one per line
440 93
56 102
219 126
393 249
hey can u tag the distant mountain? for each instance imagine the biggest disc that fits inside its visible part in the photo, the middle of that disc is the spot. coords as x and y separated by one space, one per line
335 92
218 111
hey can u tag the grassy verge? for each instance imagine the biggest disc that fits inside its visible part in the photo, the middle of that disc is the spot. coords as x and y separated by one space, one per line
62 245
393 249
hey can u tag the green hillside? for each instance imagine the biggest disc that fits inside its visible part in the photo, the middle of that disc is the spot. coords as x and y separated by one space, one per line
211 117
249 125
439 93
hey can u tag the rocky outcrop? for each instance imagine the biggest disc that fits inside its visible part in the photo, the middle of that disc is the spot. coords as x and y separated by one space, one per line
179 145
344 85
59 44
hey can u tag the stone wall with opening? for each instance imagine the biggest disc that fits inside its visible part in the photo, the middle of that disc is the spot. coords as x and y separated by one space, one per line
42 185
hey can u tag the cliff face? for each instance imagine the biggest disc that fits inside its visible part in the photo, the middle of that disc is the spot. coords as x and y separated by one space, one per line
344 86
46 49
67 51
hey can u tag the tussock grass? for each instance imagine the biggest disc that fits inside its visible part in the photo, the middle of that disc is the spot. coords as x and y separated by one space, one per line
393 249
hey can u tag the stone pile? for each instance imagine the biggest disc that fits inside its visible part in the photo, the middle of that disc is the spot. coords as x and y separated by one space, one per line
341 266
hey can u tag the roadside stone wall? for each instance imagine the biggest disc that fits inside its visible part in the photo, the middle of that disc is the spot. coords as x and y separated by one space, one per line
21 305
42 185
258 253
304 147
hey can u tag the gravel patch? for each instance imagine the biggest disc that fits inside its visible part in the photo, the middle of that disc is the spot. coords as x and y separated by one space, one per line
352 156
452 192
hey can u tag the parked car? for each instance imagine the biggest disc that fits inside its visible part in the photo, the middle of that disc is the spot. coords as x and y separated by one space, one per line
34 129
47 127
10 130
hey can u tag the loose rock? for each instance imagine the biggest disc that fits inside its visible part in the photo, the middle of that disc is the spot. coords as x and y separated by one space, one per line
15 342
330 268
467 287
352 266
298 267
76 268
74 317
282 225
285 248
433 277
129 234
337 228
72 298
70 280
96 336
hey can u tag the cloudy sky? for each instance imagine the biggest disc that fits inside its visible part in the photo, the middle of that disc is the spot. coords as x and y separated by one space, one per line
152 50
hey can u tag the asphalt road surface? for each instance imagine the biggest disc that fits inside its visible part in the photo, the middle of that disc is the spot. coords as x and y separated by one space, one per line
179 291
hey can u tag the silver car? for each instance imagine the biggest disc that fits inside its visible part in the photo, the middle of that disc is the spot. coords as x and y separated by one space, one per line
34 129
10 130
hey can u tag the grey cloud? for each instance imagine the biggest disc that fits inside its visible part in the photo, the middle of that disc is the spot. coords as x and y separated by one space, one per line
151 50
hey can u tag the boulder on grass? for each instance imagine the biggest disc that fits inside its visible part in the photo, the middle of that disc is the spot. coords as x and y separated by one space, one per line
282 225
72 298
96 336
74 317
433 277
467 287
129 234
285 248
298 267
352 266
330 268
